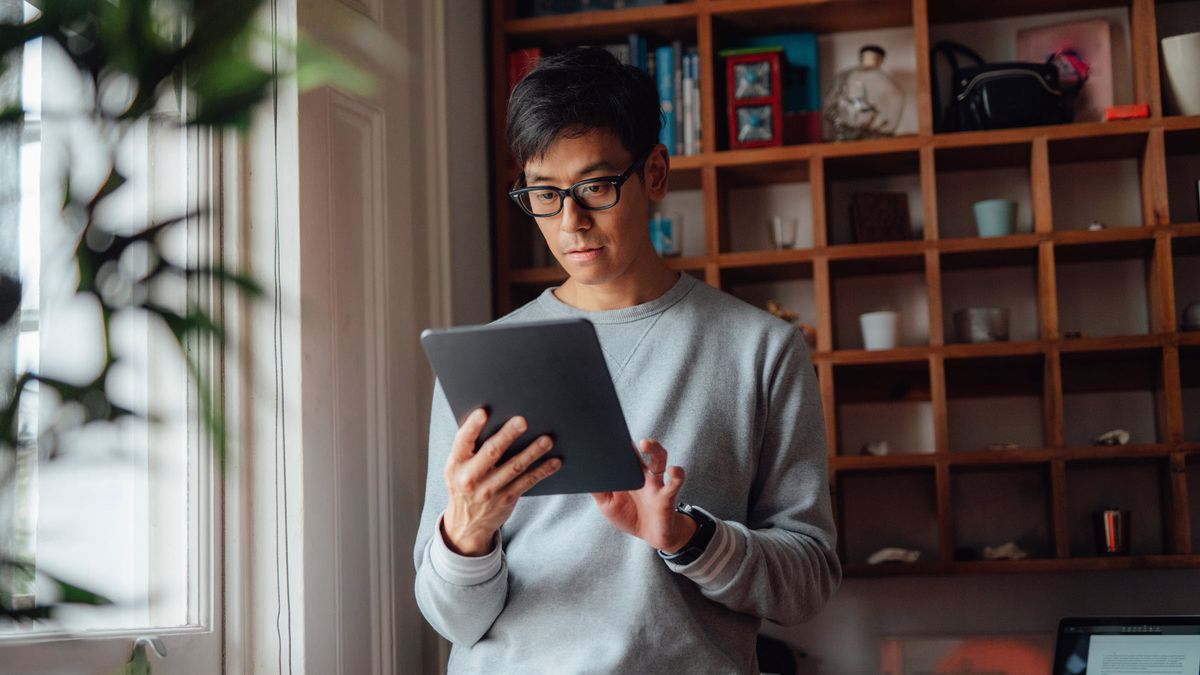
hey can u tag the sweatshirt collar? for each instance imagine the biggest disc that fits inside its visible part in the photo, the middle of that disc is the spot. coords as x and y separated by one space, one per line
682 287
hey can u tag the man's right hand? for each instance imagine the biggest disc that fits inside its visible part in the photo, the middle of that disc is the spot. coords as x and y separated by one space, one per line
482 494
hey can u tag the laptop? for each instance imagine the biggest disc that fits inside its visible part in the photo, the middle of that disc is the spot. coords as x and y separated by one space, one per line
1159 645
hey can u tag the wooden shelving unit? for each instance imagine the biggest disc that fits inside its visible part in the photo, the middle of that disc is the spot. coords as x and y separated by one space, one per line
1055 374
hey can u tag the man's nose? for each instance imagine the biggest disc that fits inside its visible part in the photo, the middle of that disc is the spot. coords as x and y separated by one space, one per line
574 217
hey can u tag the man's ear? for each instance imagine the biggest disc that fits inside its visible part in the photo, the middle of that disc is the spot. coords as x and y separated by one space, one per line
656 170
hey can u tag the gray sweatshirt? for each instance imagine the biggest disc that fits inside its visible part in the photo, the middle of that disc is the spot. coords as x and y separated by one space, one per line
730 392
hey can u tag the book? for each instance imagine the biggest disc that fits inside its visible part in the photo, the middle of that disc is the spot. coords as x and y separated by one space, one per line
637 52
520 62
664 65
677 73
620 51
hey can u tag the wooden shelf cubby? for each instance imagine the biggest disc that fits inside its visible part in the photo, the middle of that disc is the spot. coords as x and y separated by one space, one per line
1095 343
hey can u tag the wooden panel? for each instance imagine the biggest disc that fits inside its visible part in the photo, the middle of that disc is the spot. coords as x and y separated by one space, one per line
1153 165
929 193
661 23
712 211
945 513
823 290
937 388
1162 285
1058 509
1143 44
920 21
1039 189
816 185
1170 405
708 95
951 11
822 16
1180 535
933 287
1052 400
1047 292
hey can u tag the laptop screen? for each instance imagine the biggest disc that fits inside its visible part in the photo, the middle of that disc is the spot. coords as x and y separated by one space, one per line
1136 645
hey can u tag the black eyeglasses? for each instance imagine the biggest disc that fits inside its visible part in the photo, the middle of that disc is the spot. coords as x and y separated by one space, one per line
593 194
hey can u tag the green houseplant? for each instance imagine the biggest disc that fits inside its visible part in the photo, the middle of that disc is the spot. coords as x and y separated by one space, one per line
154 53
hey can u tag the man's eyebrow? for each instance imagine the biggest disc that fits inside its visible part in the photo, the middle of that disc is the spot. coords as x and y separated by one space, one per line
594 166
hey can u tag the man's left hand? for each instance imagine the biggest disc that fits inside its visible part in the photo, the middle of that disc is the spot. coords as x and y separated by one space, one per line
649 513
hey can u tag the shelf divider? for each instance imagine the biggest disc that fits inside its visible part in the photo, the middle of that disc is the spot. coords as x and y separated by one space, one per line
1052 399
925 112
1181 527
1143 29
1039 188
1170 404
945 513
823 289
929 208
708 96
933 288
937 393
1047 292
816 188
1058 509
1153 169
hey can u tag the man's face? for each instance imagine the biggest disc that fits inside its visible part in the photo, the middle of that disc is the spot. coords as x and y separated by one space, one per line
598 247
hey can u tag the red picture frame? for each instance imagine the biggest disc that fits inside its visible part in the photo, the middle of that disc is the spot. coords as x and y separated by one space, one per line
774 100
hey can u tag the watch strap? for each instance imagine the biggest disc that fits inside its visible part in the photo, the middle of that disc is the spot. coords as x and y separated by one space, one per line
706 527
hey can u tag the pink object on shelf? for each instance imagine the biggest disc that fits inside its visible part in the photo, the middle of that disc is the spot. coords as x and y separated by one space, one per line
1092 42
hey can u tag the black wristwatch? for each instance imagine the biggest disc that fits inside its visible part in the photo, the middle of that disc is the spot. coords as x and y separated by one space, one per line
705 529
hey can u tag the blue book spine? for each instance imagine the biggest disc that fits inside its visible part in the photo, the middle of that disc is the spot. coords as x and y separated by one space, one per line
665 67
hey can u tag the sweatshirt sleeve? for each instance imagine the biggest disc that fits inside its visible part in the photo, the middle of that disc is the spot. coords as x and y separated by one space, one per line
781 564
459 596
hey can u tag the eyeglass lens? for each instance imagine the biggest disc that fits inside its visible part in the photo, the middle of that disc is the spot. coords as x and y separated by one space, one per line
598 195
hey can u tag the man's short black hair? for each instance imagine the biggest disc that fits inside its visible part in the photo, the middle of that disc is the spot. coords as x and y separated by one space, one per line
578 91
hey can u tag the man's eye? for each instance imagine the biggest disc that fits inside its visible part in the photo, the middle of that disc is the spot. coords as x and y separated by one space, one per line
595 188
545 197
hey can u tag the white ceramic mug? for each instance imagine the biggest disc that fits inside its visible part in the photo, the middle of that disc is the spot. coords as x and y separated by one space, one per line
1181 54
880 330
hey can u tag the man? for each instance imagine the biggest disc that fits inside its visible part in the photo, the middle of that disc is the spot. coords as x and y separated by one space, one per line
627 582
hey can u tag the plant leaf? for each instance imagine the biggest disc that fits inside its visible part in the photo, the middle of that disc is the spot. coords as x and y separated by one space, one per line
227 90
243 282
317 65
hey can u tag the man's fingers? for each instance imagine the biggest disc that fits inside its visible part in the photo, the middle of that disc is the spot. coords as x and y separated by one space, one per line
495 446
675 483
654 457
518 464
530 478
464 440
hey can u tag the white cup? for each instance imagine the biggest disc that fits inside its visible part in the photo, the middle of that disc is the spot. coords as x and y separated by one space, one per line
879 329
1181 53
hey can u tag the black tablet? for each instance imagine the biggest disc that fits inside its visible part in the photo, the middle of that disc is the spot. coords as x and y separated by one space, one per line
553 374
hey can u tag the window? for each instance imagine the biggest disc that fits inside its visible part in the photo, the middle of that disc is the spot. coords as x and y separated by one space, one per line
119 508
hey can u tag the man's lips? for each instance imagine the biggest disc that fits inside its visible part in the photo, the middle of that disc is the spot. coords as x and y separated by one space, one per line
583 249
583 254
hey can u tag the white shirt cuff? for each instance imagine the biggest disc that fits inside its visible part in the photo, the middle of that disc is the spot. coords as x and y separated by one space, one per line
720 559
462 570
